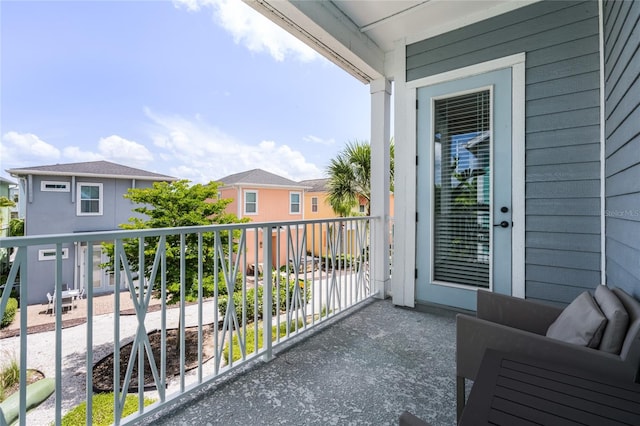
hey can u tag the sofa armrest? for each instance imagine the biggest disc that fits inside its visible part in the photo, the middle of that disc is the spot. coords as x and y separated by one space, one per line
521 314
474 336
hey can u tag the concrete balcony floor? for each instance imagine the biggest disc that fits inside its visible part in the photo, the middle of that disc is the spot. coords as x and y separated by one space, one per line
362 369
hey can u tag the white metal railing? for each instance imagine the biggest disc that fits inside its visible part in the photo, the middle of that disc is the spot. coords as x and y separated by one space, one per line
249 280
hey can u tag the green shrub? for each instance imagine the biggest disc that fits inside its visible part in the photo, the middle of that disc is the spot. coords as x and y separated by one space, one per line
9 313
101 410
251 339
279 302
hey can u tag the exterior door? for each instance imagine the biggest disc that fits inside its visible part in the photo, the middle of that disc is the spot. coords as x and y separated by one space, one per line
464 189
103 280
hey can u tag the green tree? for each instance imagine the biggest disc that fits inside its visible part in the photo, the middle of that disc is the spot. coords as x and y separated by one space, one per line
176 204
350 177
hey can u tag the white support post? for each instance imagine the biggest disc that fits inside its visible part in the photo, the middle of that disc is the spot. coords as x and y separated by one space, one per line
380 190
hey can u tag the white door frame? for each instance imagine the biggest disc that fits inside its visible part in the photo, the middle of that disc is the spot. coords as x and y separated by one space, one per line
406 96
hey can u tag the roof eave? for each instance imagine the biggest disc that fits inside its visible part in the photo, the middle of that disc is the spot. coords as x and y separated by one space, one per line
25 172
328 31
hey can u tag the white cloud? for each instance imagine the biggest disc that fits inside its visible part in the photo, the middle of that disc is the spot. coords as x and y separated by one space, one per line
252 30
317 140
201 152
18 149
112 148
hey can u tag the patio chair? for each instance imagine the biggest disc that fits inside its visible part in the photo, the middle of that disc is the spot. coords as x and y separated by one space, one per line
510 324
50 306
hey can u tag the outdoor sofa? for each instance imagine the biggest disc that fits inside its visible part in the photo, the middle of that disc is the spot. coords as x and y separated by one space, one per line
554 334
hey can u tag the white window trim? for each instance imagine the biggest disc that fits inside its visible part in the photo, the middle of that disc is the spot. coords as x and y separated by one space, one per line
244 203
291 193
314 204
44 183
79 211
50 254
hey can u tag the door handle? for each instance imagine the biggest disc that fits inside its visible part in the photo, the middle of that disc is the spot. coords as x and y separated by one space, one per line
503 224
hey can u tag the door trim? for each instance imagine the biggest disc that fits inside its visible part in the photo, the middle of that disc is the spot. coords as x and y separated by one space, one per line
517 64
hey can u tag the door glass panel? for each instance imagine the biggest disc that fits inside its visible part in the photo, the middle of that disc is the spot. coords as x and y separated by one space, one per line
97 270
462 189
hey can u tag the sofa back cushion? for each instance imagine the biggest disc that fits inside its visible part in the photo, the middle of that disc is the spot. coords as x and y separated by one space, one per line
617 320
631 346
581 323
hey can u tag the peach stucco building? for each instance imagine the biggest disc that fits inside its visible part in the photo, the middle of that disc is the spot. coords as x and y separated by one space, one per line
265 197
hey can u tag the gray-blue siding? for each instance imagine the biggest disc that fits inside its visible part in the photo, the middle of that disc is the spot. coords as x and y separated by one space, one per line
622 149
562 194
55 213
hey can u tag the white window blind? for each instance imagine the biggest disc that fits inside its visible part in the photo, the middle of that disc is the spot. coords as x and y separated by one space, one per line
462 189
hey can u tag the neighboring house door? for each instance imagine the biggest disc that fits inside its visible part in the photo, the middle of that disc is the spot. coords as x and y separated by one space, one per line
102 280
464 192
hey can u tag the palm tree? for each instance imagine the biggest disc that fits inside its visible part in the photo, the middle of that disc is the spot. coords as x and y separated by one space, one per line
350 177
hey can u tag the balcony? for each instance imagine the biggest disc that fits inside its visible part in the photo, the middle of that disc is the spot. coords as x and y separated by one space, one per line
334 352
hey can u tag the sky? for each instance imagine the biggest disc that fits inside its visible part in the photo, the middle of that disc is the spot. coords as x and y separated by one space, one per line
194 89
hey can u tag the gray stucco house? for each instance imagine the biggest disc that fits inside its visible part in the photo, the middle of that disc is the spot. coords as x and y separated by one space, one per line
76 197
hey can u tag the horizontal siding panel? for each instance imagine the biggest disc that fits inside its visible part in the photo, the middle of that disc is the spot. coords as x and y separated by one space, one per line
622 29
625 157
493 24
564 68
624 232
556 294
620 277
586 279
417 67
562 51
625 182
554 173
562 103
616 114
563 120
624 256
576 225
561 86
625 206
623 133
624 73
566 207
533 34
564 241
563 259
564 137
569 189
564 155
610 13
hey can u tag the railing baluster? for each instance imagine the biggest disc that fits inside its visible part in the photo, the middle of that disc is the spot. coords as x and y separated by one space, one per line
329 259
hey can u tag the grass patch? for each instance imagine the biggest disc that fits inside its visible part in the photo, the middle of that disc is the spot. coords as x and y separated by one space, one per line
9 377
250 342
102 410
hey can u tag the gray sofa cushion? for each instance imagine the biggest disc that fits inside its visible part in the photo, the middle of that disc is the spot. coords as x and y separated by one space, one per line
617 320
581 323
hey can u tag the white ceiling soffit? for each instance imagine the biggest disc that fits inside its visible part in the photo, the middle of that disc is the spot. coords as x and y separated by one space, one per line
355 35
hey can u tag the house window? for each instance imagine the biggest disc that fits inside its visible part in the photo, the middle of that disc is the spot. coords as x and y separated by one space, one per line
294 203
50 254
362 208
89 199
250 202
314 204
53 186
